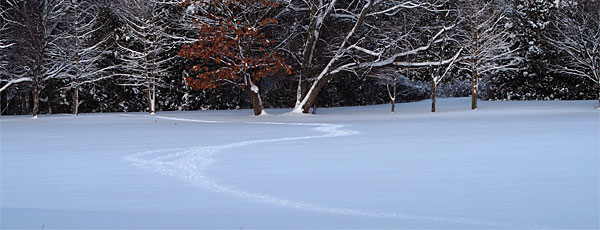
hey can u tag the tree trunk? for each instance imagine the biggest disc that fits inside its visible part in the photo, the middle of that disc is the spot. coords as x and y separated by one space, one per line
433 92
254 96
154 51
48 101
309 47
25 104
36 100
305 86
76 99
475 50
395 94
598 93
392 97
474 89
313 95
326 77
153 96
149 97
76 89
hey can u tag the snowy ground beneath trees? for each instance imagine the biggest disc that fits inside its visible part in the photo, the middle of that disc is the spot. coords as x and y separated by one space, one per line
506 165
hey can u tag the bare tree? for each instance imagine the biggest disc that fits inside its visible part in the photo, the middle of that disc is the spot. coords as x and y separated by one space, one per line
147 49
486 41
393 92
82 51
353 52
37 54
438 73
4 45
358 13
437 77
351 43
404 34
577 39
4 42
390 77
319 12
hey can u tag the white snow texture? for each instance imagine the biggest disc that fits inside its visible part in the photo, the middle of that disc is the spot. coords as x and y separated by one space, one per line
506 165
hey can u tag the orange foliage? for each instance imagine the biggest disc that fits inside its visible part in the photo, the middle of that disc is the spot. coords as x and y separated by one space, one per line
232 43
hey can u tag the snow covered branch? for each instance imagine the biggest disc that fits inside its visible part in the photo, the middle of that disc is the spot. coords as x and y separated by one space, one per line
15 81
392 59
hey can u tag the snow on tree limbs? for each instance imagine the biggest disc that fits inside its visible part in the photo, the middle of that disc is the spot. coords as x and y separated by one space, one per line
232 46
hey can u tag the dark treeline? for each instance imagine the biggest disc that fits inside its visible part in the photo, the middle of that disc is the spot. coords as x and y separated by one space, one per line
72 56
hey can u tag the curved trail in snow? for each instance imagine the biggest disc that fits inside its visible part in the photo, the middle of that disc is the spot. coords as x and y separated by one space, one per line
189 164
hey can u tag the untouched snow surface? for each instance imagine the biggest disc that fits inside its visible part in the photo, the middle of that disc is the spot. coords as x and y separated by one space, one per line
506 165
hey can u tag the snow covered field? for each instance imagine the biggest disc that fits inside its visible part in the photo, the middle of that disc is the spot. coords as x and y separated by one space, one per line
507 165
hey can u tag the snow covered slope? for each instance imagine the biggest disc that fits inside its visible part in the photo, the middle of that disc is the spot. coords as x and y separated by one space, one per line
506 165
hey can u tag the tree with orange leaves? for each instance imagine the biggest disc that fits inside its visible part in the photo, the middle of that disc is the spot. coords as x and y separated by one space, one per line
233 46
